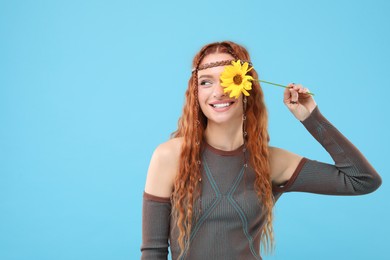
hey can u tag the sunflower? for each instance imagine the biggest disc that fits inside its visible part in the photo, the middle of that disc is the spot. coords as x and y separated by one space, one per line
235 80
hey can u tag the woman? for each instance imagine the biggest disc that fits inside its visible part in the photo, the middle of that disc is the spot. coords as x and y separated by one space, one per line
211 188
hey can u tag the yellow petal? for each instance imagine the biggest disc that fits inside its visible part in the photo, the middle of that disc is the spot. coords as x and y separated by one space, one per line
245 92
225 84
248 85
237 65
228 88
228 80
234 94
245 67
225 76
249 78
229 69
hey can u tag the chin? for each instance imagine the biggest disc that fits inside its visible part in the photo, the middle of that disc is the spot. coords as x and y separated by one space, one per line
224 119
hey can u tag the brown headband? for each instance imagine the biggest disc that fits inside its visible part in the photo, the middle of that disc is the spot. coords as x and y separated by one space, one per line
217 63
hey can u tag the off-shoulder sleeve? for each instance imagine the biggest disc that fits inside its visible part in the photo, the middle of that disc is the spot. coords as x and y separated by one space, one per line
156 213
351 173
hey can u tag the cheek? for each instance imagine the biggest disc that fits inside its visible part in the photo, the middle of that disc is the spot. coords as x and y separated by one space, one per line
203 94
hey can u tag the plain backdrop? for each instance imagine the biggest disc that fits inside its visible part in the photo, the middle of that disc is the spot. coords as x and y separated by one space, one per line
88 89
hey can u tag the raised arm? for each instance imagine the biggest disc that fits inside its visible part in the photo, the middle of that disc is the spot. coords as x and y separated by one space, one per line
351 173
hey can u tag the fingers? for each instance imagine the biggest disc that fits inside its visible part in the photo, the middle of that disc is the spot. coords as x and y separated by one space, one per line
298 101
302 91
298 87
287 94
291 94
294 96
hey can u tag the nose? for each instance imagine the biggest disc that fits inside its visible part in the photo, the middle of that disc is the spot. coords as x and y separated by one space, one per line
218 91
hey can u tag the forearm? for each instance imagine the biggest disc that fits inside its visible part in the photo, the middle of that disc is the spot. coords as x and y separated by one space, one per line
155 227
351 173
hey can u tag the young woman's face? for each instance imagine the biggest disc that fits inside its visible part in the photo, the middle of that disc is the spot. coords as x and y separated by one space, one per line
216 105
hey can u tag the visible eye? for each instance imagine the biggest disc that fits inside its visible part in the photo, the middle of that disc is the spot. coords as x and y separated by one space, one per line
205 83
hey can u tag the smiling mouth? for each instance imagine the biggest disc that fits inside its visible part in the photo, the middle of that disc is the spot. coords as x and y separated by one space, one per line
221 105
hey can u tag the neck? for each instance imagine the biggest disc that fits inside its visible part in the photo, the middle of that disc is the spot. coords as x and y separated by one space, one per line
226 137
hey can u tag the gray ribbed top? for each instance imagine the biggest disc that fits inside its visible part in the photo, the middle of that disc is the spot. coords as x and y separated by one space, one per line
229 215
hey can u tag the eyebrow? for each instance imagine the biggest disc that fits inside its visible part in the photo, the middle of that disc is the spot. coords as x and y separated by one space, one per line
206 76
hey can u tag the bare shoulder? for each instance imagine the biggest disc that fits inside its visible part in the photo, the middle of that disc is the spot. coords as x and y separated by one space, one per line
169 150
283 164
163 168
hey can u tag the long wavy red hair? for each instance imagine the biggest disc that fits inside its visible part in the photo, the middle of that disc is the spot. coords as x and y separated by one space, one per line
191 127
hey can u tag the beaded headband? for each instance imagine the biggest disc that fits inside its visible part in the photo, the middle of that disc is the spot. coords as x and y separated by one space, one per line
218 63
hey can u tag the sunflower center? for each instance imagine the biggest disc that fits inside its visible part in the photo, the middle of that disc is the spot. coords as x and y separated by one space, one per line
237 79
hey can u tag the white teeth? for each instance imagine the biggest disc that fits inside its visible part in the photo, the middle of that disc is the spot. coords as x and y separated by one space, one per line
221 105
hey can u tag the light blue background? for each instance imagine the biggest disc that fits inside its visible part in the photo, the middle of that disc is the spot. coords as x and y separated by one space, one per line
88 89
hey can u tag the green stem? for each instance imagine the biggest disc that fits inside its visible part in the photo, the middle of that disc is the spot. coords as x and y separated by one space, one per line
279 85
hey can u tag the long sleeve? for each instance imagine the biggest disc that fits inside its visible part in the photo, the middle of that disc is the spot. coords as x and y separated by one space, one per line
156 213
351 174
